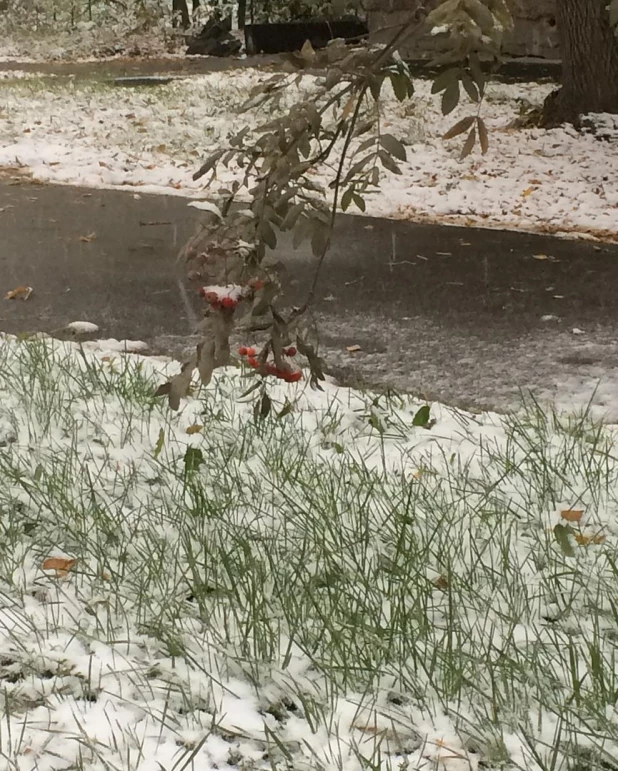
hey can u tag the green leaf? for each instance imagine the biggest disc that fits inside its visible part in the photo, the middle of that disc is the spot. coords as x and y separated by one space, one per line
446 79
388 162
470 86
422 416
288 407
320 239
375 86
450 98
562 535
400 86
393 146
302 230
346 199
359 201
193 459
263 407
268 235
160 443
291 218
253 387
477 73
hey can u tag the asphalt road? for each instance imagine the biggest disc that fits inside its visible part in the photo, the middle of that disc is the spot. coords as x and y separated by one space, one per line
457 313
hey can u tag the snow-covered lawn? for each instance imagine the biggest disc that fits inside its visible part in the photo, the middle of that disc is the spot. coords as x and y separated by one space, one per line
153 139
334 588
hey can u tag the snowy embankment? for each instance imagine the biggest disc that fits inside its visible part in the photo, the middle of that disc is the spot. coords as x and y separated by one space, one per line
332 587
152 140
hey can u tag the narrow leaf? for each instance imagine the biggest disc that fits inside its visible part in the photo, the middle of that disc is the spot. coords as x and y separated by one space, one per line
160 443
446 79
459 128
393 146
483 134
469 144
450 98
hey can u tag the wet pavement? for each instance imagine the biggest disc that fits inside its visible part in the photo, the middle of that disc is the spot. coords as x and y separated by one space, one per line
472 317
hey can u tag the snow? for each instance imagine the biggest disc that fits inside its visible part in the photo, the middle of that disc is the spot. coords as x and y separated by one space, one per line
214 610
557 181
82 327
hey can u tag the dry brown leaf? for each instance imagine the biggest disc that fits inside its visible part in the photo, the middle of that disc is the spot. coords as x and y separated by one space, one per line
441 582
353 348
572 515
19 293
87 239
61 565
528 191
104 165
194 429
584 540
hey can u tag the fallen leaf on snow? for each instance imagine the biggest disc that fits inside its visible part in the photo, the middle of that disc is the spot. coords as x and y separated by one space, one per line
572 515
19 293
87 239
195 429
528 191
442 583
61 565
584 540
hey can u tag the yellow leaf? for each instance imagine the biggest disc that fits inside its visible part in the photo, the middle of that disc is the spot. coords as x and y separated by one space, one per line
528 191
195 429
347 110
584 540
572 515
61 565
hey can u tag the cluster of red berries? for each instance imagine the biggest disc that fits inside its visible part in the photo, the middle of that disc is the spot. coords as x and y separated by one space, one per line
212 298
290 376
218 300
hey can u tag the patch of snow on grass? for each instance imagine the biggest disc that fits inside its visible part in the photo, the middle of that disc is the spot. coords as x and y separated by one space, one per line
334 588
556 181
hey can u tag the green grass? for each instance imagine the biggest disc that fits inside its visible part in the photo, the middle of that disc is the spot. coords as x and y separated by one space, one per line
337 556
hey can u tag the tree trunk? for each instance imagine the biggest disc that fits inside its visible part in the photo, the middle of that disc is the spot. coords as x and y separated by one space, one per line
180 12
589 50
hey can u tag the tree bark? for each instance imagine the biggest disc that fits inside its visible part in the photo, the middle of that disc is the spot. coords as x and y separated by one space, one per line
180 12
589 50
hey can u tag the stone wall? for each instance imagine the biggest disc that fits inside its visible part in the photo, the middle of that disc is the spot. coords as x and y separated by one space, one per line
534 32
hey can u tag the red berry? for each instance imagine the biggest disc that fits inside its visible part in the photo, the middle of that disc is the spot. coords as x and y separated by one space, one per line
251 352
202 291
211 297
229 302
272 369
215 305
252 362
294 377
291 351
242 351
